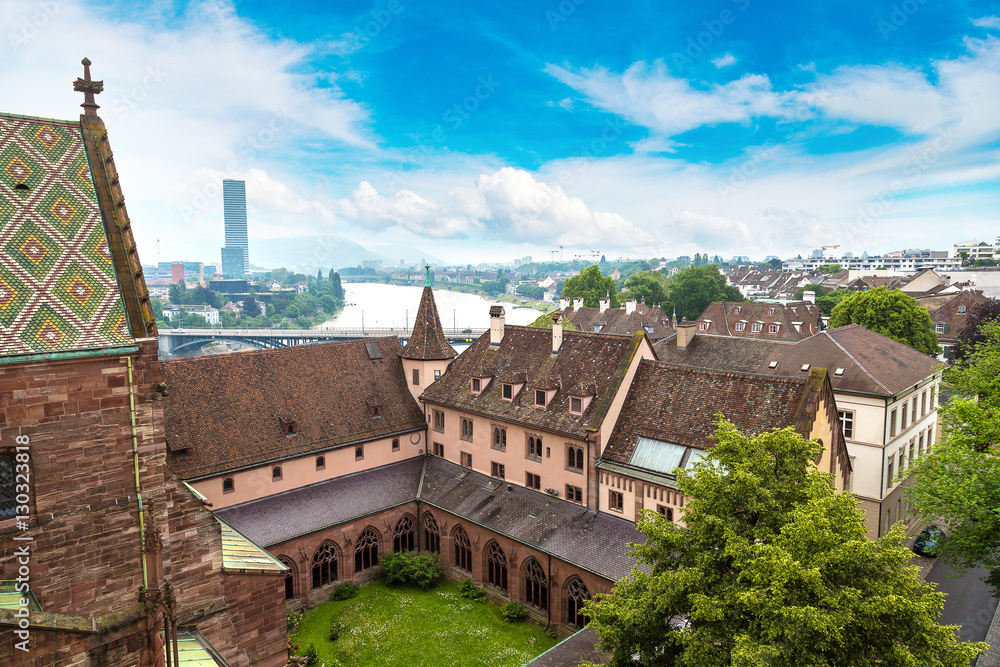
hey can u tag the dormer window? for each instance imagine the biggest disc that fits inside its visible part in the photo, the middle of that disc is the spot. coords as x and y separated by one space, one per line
702 326
737 310
376 411
597 328
961 309
772 328
508 391
477 386
740 326
839 372
288 426
770 311
755 327
540 398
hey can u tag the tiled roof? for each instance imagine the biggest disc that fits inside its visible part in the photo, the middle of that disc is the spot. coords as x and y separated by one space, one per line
239 553
427 340
617 321
954 321
284 516
592 540
577 649
598 358
678 404
794 321
58 287
225 410
872 363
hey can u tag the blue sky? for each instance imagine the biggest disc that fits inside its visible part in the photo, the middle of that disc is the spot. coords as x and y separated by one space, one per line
477 132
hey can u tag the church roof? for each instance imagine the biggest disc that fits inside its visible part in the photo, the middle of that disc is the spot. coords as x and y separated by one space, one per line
58 288
233 411
427 342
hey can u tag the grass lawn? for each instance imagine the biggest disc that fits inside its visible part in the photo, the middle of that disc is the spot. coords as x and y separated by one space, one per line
407 627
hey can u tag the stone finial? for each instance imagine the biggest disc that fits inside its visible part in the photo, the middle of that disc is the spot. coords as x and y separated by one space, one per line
89 88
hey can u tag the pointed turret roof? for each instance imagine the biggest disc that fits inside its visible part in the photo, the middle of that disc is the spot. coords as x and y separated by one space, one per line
427 341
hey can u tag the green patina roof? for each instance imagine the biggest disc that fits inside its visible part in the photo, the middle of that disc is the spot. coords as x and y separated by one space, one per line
58 287
239 553
192 650
10 598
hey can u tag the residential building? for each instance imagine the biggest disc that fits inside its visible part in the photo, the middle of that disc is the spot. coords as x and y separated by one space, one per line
771 321
208 312
951 317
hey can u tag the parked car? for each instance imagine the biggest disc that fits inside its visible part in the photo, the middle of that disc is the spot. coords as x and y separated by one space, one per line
928 541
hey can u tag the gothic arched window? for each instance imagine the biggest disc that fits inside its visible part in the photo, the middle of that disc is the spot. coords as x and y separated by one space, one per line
576 595
463 550
536 585
366 550
496 566
324 565
403 538
432 534
289 577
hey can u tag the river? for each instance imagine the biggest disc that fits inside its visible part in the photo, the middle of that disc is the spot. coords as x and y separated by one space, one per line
378 305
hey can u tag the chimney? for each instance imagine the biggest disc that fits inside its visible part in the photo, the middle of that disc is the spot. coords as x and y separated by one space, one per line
565 302
809 296
685 334
496 325
556 332
605 303
629 306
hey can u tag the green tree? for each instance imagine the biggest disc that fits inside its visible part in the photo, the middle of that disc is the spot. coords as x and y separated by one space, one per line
328 303
972 334
590 286
177 293
892 313
251 307
649 285
533 291
545 322
830 268
771 568
958 483
157 308
693 288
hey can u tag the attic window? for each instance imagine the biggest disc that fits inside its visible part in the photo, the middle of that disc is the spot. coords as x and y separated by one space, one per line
576 405
772 328
839 372
376 411
288 426
702 326
21 186
227 485
755 327
649 329
373 352
770 311
740 326
805 367
508 391
773 365
737 310
477 386
597 328
961 309
540 397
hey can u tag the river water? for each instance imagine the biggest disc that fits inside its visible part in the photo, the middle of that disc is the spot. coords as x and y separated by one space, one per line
378 305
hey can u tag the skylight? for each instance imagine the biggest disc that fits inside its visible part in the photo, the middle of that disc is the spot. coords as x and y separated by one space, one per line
773 365
373 351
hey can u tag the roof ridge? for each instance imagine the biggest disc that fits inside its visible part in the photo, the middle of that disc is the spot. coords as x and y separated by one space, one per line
852 358
288 350
40 118
715 371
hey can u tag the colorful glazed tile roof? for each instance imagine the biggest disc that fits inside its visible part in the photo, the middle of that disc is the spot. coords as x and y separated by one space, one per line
58 288
239 553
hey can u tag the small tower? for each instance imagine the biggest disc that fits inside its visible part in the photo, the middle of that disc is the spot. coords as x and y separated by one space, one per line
427 355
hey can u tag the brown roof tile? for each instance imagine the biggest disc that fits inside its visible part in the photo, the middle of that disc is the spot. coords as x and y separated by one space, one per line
427 340
225 410
794 321
598 358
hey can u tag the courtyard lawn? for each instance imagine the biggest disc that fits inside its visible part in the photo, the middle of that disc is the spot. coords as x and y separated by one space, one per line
407 627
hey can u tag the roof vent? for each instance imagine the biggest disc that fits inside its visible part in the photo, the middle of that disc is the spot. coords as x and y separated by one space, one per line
805 367
773 365
21 186
839 372
535 513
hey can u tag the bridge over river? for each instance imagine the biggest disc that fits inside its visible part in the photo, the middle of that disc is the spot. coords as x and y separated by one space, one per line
178 340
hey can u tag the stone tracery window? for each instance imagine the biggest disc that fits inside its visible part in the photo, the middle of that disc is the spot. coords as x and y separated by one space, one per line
463 550
496 565
7 495
324 565
289 577
404 536
432 534
366 550
576 595
536 585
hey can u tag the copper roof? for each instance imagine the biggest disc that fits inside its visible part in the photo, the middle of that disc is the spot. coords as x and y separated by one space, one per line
225 412
597 358
427 342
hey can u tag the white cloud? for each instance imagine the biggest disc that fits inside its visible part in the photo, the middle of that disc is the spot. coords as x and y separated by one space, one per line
989 22
566 103
724 61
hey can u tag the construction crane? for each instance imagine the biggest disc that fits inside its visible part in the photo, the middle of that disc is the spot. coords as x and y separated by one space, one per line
560 254
552 255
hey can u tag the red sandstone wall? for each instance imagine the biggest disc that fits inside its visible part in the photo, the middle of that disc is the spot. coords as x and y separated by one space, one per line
257 612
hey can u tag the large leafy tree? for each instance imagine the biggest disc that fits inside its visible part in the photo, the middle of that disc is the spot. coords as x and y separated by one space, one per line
650 286
771 567
693 288
590 287
958 484
891 313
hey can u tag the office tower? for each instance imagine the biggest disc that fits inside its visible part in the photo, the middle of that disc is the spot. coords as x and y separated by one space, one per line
234 207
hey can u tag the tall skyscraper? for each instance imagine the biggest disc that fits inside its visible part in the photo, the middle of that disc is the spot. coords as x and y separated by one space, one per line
234 208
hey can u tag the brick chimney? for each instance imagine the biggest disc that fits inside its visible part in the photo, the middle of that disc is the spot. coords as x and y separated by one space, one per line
685 334
556 332
496 325
630 306
809 296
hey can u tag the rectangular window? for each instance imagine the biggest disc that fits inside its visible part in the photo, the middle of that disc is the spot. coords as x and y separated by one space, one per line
923 403
740 326
847 423
477 385
574 494
359 453
276 473
540 398
320 462
666 512
909 454
508 392
902 420
466 429
772 328
890 480
416 376
576 405
497 469
438 449
439 421
395 444
939 327
534 448
437 374
920 444
574 458
227 485
913 409
755 327
533 481
616 501
892 423
466 458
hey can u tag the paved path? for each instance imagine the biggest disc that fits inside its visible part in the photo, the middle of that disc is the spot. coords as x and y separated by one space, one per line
969 604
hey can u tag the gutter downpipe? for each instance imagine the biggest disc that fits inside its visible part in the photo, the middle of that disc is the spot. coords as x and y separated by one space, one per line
138 487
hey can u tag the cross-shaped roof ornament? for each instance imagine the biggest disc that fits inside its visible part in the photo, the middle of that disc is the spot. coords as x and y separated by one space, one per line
89 89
